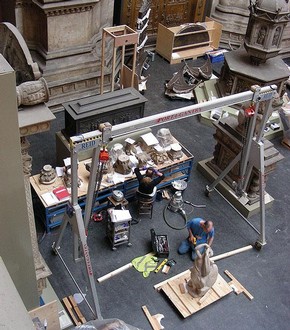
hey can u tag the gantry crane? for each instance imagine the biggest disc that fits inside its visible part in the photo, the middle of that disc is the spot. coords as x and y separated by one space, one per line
252 155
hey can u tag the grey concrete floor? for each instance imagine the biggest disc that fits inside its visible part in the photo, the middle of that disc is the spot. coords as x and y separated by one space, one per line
265 274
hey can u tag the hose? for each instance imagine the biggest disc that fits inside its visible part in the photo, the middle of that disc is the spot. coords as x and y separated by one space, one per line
201 206
182 213
168 224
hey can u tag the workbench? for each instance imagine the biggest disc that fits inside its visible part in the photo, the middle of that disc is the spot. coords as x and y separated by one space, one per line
52 213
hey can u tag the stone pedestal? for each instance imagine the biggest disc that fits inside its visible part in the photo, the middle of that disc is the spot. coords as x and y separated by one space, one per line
229 140
228 192
64 38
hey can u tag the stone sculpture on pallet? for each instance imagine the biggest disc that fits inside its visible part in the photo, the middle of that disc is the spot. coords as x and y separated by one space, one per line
204 272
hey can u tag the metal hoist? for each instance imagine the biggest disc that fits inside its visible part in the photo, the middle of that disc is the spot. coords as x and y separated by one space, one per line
251 155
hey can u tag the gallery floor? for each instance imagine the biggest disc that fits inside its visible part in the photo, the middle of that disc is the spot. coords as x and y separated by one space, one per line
265 274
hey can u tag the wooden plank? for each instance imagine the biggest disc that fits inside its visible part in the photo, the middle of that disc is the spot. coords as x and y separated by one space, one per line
219 287
153 321
48 312
164 42
186 299
126 78
177 303
182 287
205 297
76 309
239 286
68 307
231 253
159 285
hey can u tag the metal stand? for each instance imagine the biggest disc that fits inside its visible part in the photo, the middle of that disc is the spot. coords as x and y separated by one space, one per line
74 212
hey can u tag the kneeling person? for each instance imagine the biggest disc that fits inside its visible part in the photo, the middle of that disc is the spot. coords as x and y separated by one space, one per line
200 232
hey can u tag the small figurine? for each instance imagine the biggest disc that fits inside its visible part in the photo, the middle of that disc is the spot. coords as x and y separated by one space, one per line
47 175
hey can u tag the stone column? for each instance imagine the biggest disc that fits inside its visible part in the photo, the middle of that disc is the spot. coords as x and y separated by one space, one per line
41 268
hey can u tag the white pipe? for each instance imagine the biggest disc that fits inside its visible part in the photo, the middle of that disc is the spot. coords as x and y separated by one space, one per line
119 270
215 258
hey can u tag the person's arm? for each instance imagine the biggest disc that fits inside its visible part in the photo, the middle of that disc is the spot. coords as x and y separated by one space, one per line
210 241
210 237
160 177
191 237
138 174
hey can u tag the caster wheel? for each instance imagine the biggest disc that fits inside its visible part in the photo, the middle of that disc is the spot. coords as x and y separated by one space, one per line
129 244
53 251
114 248
258 246
206 193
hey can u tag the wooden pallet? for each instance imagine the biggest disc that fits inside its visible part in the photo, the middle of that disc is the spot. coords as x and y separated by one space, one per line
184 302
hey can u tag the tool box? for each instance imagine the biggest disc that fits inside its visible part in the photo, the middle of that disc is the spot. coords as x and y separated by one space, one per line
160 244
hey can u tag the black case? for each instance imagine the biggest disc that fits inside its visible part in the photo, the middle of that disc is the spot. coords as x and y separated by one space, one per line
160 244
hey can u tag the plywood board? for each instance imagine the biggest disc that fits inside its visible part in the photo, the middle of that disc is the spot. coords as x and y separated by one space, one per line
185 303
48 312
13 314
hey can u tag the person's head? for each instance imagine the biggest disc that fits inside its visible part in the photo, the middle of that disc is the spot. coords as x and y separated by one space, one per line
146 180
149 172
207 226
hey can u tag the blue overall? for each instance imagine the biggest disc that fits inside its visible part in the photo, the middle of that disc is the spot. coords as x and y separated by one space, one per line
201 237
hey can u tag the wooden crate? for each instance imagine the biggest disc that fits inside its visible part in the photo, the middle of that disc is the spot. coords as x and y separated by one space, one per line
169 47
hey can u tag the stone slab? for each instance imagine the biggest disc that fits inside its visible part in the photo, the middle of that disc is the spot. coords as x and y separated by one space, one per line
34 119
